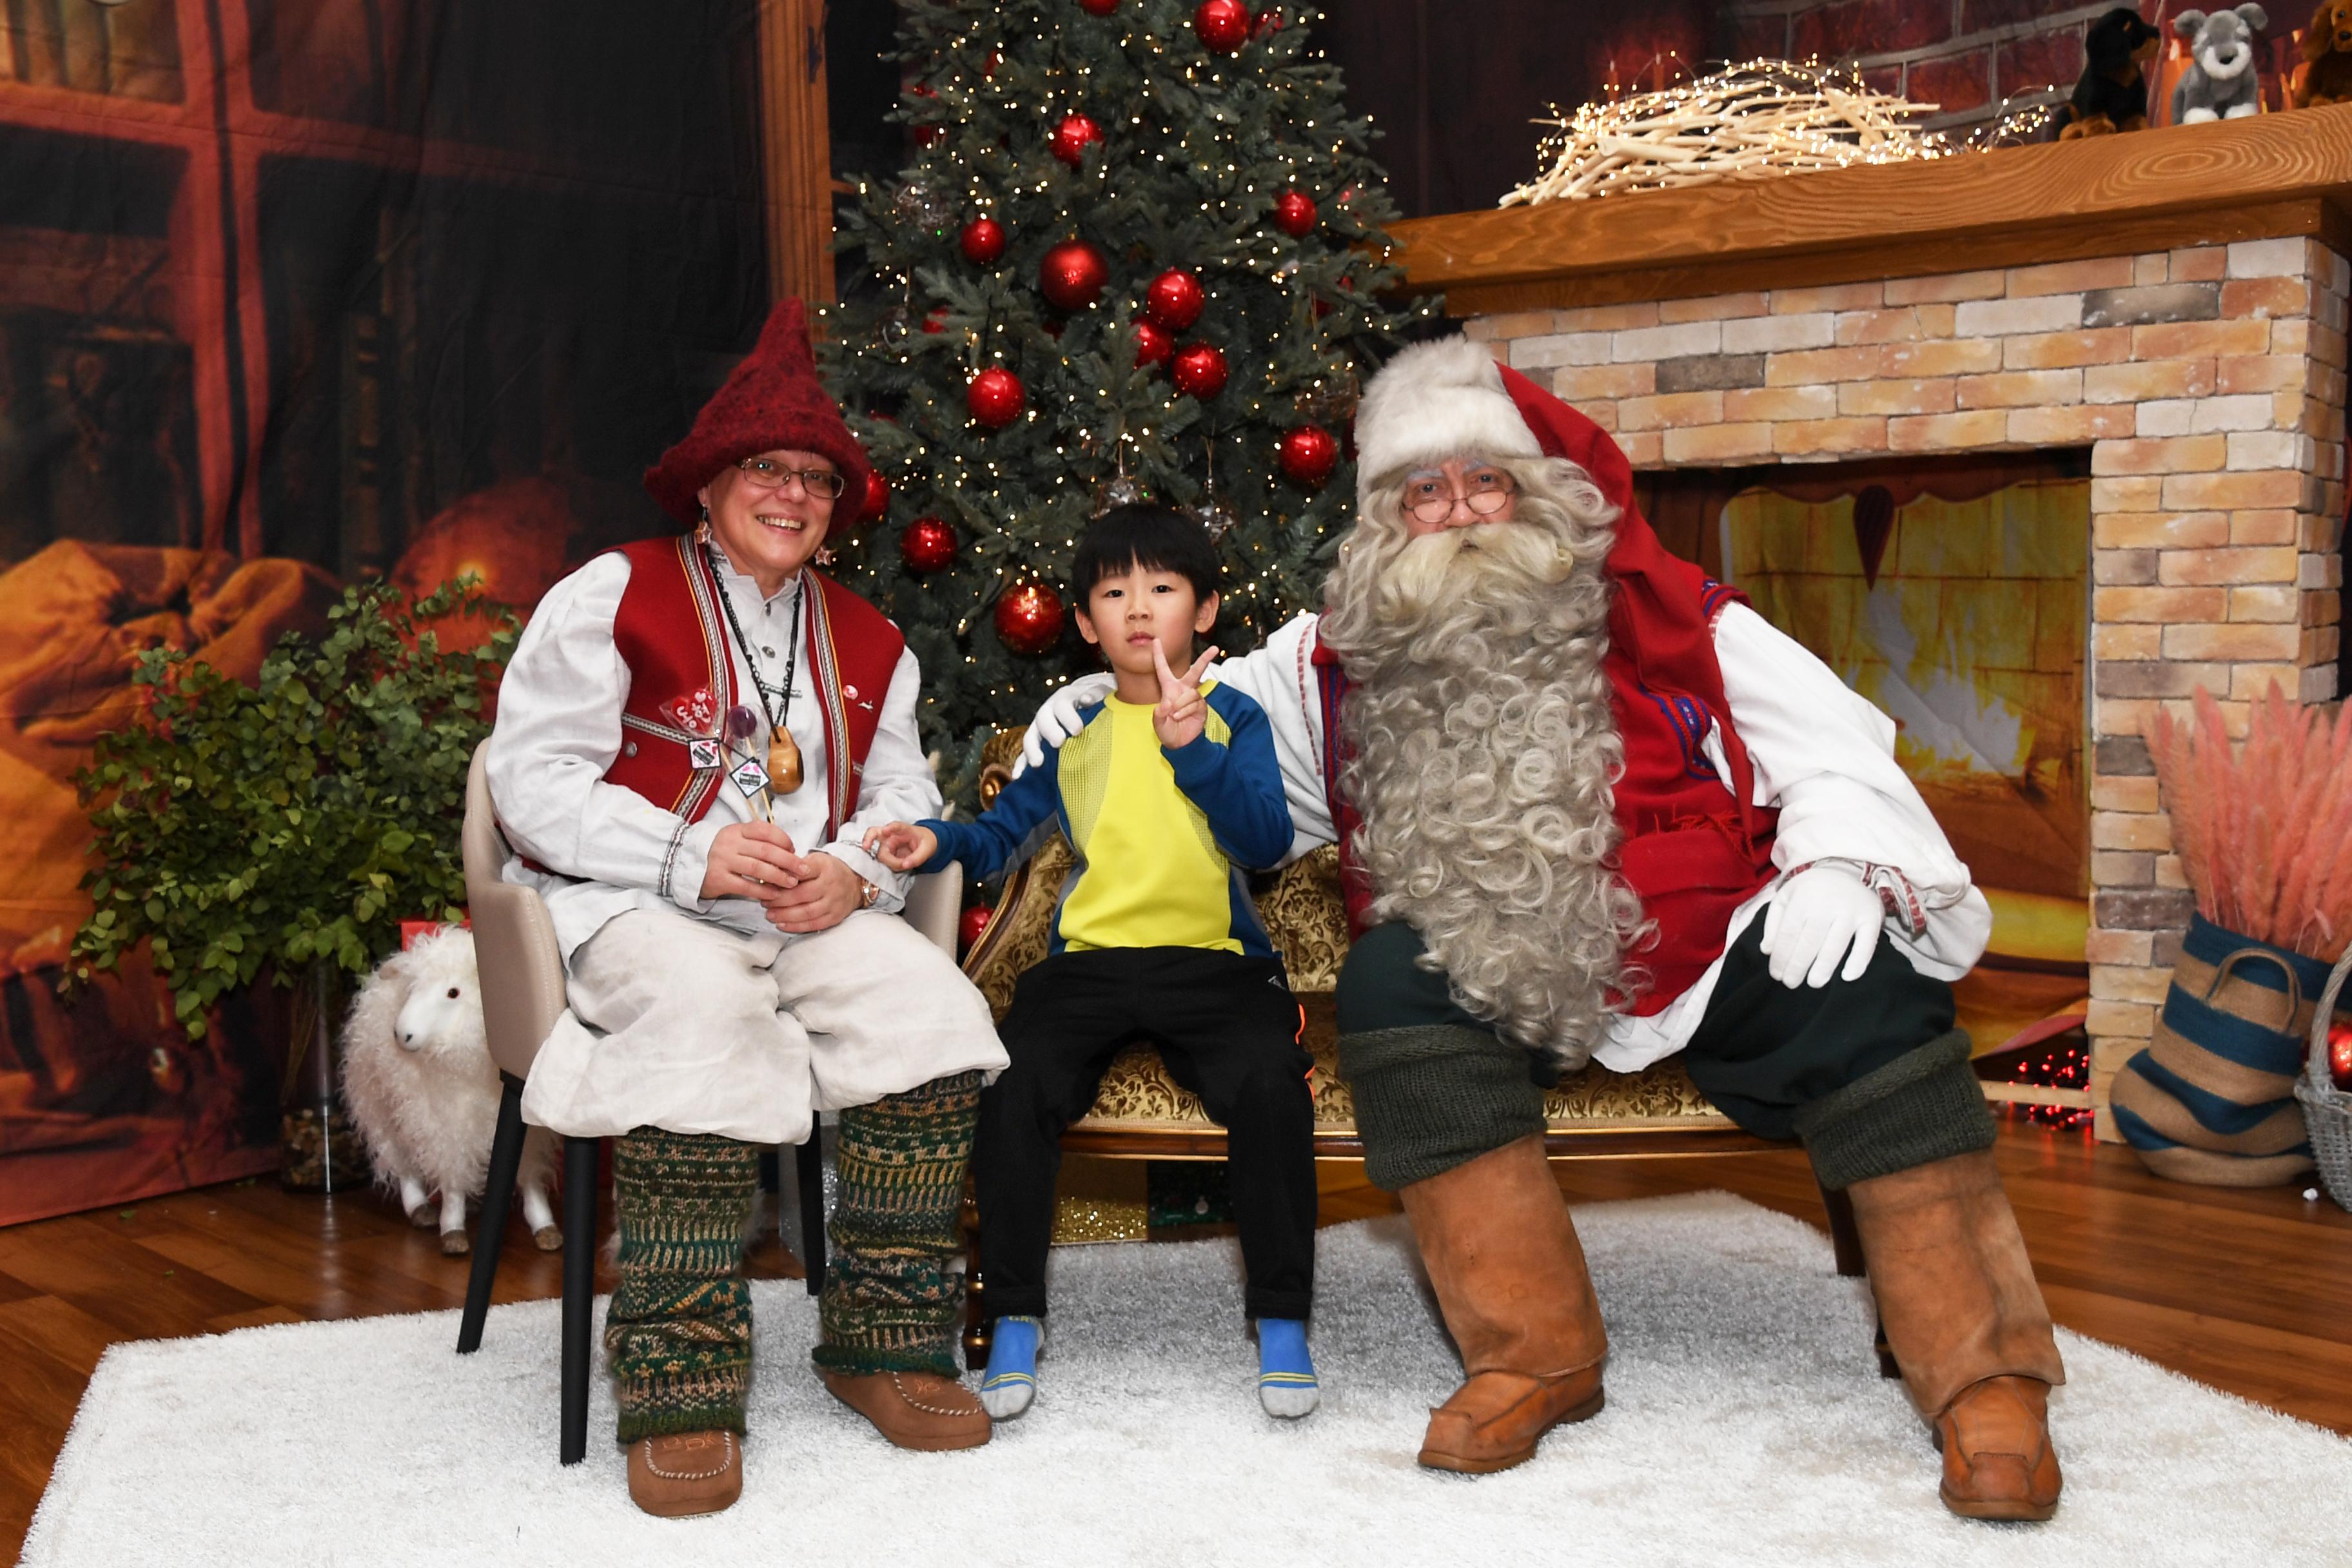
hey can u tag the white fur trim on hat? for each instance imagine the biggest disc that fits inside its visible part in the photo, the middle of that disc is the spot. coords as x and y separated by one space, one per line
1434 400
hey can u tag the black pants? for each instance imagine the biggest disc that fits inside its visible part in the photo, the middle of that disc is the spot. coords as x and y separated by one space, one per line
1227 1027
1764 1053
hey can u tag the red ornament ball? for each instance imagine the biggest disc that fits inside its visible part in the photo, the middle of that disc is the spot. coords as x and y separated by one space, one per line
1073 136
1098 7
1072 275
1224 24
1174 299
1269 21
2340 1054
1294 213
1198 370
927 545
971 924
982 240
877 496
1152 346
936 321
1308 455
995 397
1029 619
924 135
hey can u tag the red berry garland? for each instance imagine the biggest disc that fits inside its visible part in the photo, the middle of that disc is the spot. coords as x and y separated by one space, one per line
927 545
1073 136
1072 275
1224 24
1029 619
1308 455
1174 299
982 240
995 397
1198 370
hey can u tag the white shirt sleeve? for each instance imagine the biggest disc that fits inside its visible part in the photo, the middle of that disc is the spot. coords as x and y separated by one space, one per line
1280 677
558 731
1825 757
897 784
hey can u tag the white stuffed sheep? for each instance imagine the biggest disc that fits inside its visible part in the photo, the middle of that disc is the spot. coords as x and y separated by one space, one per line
421 1089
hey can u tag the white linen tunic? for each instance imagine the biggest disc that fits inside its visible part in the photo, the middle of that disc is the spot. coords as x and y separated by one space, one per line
1823 756
687 1013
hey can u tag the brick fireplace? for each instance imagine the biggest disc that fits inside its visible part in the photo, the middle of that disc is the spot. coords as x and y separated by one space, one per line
2199 367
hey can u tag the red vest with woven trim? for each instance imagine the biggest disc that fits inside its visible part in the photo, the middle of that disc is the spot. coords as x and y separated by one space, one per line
671 630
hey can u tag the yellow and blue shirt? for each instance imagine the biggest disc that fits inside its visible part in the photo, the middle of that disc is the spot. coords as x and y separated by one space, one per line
1162 836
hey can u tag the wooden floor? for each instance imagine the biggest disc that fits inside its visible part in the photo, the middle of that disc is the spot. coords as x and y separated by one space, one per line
2250 1291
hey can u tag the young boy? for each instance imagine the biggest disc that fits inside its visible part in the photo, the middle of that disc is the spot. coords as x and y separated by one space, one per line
1168 792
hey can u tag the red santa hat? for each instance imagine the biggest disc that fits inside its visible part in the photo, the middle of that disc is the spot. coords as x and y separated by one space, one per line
772 401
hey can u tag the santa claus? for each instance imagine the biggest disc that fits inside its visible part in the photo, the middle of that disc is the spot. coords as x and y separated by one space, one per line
1591 805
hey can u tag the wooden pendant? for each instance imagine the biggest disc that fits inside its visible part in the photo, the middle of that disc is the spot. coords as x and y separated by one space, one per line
784 762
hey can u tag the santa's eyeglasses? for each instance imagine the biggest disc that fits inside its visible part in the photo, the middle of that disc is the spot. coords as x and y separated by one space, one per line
1485 492
770 475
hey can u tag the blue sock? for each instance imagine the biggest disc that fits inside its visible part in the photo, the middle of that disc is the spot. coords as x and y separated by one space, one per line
1285 1372
1010 1381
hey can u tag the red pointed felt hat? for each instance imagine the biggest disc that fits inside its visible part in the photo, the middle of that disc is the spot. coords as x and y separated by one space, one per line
772 401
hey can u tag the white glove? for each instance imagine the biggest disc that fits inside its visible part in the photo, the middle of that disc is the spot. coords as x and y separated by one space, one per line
1815 917
1058 719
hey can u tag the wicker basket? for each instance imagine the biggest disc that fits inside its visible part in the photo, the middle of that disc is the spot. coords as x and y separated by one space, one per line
2326 1110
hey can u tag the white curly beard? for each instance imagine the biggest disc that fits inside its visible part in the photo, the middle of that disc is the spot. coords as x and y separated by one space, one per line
1483 751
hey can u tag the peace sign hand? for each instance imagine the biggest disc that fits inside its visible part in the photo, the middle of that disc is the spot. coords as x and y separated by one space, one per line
1183 712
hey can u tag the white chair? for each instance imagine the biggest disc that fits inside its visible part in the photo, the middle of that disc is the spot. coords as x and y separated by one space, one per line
521 972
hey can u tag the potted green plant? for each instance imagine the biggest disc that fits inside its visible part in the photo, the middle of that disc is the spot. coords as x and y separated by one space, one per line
287 826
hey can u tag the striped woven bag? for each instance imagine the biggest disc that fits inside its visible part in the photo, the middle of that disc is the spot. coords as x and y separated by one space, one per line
2211 1099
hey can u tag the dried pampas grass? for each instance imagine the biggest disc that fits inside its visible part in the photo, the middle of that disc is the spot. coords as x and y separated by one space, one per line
2264 829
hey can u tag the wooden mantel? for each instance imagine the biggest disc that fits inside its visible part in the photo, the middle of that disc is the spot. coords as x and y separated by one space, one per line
2270 176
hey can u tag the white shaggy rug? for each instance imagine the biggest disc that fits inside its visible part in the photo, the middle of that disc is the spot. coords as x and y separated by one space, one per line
1747 1425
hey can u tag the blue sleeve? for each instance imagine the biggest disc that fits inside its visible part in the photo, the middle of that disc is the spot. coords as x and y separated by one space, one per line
1006 833
1237 785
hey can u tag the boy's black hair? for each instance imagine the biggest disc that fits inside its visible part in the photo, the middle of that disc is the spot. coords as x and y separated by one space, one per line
1156 538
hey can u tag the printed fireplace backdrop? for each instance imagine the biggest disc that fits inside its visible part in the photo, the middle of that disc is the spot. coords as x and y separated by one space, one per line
293 292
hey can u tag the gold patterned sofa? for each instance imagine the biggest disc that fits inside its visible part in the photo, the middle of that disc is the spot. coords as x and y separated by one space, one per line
1142 1112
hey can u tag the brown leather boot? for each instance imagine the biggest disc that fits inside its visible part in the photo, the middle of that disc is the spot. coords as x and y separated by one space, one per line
913 1409
679 1474
1510 1279
1969 1328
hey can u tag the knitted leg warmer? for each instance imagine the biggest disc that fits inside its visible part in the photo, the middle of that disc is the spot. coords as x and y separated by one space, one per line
678 1336
890 1303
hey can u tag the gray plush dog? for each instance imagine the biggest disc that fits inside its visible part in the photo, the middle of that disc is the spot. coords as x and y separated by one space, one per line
2219 83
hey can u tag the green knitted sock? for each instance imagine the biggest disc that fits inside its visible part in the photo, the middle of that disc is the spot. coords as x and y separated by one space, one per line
678 1336
1924 1105
1434 1096
890 1303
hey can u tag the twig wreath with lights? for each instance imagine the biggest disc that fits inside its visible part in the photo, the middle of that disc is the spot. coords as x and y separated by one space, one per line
1136 245
1749 120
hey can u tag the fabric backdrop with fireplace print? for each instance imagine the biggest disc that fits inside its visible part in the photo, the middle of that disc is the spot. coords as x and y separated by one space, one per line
292 292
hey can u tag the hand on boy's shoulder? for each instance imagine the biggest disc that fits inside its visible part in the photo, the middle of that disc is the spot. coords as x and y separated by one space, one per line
902 846
1183 712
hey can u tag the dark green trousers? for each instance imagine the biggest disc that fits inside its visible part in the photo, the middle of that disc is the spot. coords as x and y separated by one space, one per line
1869 1073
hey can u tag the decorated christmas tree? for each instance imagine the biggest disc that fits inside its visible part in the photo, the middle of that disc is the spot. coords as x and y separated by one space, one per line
1136 255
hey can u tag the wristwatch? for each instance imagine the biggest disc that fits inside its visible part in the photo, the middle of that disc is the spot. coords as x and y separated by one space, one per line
866 899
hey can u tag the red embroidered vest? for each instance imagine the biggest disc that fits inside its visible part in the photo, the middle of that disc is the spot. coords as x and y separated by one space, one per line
671 630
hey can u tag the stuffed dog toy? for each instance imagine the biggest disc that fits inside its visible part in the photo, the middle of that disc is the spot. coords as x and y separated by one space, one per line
2221 82
2327 46
2113 92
